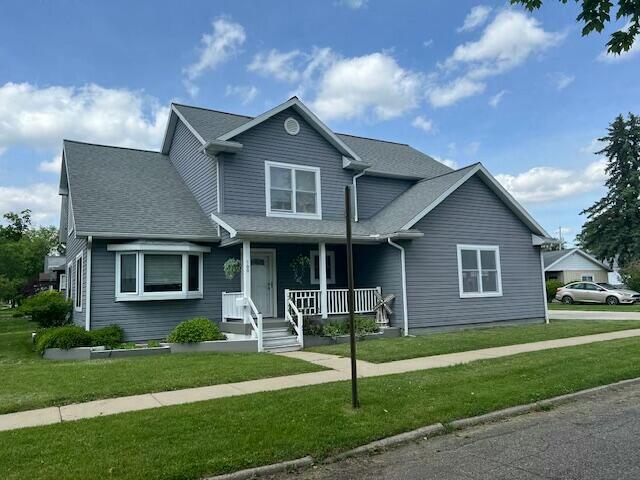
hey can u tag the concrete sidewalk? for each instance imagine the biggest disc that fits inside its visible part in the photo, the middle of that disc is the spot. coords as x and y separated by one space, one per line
592 315
340 371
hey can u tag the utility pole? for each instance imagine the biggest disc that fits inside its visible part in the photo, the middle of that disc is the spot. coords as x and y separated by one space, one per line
351 298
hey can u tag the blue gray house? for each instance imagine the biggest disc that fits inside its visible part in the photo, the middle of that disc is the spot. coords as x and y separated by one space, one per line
148 233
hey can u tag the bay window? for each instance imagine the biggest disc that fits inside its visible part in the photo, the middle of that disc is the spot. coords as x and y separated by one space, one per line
156 271
292 190
479 271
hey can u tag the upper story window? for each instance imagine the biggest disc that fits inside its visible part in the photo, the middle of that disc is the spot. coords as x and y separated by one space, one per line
479 271
292 190
154 271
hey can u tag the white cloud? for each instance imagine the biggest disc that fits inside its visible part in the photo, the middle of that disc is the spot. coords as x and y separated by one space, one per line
473 148
453 92
41 117
547 184
354 4
246 92
561 80
51 166
476 17
216 47
423 124
279 65
595 145
607 57
508 41
352 87
41 198
495 100
447 161
427 43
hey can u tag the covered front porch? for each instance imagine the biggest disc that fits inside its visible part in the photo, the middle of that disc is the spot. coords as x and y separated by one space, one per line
282 284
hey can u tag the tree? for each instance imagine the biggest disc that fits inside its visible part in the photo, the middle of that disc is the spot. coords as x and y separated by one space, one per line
19 224
595 14
612 229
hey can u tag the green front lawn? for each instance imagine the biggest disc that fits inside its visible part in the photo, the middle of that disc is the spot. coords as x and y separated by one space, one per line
217 436
595 307
27 381
389 349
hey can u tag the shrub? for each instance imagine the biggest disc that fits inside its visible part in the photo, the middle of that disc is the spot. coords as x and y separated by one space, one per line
631 275
199 329
110 336
310 327
48 309
66 337
551 287
365 325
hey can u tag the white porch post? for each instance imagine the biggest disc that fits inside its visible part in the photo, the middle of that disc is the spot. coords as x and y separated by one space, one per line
246 268
322 260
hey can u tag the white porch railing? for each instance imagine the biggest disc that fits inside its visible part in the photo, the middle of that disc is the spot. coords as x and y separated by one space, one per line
294 316
235 305
308 301
231 308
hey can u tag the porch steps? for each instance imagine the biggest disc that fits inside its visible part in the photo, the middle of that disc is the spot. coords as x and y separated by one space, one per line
277 337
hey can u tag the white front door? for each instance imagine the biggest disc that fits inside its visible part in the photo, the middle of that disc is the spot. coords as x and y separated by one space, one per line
262 282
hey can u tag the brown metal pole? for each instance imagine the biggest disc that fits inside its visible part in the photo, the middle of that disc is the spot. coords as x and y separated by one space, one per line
351 299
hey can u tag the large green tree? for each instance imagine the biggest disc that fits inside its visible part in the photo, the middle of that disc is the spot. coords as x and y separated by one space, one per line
596 14
22 251
612 229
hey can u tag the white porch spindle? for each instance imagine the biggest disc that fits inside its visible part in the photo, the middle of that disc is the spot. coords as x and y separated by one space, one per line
322 260
246 272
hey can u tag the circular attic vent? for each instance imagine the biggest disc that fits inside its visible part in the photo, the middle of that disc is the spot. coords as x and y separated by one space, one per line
292 126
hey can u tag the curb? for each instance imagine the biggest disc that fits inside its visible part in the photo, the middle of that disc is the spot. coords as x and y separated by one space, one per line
424 432
265 470
378 445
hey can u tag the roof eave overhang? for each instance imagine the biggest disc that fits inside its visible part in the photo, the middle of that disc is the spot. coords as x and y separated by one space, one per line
147 236
215 147
351 164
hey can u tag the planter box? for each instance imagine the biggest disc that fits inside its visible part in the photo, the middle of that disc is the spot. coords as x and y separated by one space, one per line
316 341
214 346
80 353
134 352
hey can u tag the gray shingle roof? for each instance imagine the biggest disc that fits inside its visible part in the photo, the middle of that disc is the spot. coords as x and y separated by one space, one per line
128 192
385 158
553 256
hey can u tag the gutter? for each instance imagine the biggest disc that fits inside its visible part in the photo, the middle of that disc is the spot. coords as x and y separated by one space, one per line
405 313
355 195
544 289
87 295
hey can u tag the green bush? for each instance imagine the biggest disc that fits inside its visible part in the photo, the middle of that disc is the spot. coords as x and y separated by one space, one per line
110 336
199 329
48 309
66 337
631 275
551 287
364 326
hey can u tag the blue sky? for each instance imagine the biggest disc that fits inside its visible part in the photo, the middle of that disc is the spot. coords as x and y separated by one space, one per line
462 81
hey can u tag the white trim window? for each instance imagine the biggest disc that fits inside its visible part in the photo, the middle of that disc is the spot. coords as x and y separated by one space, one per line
70 280
587 278
158 272
479 272
77 291
63 281
292 190
314 268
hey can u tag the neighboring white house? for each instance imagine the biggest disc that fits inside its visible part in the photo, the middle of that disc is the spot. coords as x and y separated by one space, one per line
574 265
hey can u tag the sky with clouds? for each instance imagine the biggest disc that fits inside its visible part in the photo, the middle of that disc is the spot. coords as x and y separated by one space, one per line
465 82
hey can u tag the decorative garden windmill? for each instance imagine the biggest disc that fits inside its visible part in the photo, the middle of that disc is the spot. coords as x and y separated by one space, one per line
383 310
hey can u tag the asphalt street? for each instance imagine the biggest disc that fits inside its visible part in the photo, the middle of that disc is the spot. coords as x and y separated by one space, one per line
595 438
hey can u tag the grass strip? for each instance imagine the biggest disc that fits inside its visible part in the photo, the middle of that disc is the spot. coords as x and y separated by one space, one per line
217 436
389 349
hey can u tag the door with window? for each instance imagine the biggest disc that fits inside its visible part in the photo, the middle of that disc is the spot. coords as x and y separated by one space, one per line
263 282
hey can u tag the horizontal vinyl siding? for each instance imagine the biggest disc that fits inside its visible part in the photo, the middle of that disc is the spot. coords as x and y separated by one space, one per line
471 215
145 320
244 179
379 266
198 171
374 193
567 276
76 245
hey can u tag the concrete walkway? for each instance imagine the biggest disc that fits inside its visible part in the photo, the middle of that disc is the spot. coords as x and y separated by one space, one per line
339 370
592 315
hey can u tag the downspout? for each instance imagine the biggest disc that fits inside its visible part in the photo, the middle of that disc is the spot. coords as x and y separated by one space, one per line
405 313
355 196
87 294
544 290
